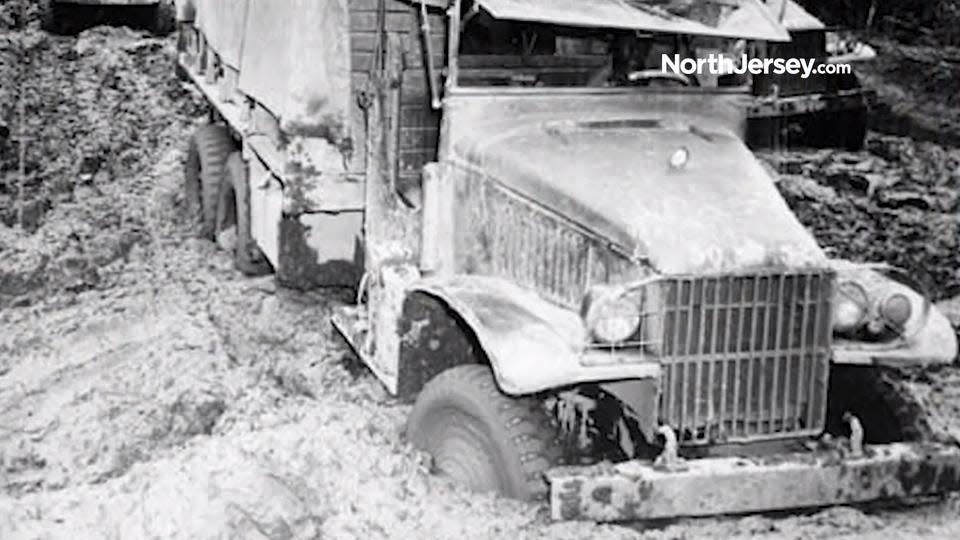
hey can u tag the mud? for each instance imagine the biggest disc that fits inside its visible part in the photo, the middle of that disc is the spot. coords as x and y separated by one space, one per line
170 397
895 202
95 109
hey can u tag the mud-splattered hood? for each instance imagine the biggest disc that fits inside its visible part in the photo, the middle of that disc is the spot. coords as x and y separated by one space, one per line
719 211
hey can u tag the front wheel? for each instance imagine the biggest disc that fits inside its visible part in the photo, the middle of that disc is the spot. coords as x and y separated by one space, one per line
482 438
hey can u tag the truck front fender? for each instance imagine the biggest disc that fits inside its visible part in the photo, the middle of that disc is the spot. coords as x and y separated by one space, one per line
531 344
928 337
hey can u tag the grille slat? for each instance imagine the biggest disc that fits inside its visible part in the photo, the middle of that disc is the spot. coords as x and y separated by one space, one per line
506 236
699 348
789 368
777 345
712 404
777 370
754 316
739 347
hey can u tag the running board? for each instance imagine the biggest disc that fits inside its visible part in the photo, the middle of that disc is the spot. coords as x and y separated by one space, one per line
352 323
637 490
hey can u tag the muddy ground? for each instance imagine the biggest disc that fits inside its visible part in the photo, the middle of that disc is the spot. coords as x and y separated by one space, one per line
148 390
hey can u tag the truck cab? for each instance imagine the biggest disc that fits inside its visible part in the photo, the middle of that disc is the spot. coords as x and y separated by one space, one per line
586 284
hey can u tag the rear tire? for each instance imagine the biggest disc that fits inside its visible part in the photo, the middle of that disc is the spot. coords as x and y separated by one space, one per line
483 438
233 211
207 154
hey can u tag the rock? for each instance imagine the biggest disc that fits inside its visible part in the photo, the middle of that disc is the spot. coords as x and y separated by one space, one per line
902 199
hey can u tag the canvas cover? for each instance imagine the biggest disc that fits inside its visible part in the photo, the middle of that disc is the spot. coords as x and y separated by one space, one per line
747 19
221 22
296 61
293 57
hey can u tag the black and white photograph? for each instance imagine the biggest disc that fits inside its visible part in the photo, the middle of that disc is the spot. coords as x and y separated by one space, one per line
479 269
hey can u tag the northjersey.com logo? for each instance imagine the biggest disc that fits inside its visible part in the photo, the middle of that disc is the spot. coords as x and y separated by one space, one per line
722 64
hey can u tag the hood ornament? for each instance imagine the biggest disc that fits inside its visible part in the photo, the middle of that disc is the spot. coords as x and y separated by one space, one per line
679 158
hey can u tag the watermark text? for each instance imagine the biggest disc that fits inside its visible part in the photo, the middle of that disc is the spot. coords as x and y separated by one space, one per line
721 64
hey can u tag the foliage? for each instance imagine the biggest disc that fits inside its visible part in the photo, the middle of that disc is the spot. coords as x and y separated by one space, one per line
907 20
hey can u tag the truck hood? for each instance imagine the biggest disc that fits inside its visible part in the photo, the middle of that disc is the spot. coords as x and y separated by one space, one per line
718 211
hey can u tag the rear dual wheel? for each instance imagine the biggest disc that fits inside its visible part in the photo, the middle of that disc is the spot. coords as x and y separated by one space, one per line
233 219
207 153
218 196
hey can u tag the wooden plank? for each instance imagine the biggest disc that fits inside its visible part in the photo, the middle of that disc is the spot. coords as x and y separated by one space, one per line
373 5
395 22
415 157
415 59
366 41
415 80
358 79
363 61
419 117
417 99
393 5
419 138
416 91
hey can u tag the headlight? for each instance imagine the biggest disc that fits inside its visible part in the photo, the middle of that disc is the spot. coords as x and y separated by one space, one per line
896 310
850 308
613 318
873 306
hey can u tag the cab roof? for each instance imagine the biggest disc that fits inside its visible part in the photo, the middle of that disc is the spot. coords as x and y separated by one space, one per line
740 19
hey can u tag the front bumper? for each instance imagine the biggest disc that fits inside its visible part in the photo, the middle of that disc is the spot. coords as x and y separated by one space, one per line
636 490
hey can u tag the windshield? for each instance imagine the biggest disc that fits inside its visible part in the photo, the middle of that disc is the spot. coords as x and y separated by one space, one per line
497 52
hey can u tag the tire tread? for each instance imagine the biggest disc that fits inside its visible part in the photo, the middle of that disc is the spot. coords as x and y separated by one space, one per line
527 425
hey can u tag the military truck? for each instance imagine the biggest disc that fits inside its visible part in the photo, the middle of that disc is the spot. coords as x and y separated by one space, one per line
824 110
69 16
590 289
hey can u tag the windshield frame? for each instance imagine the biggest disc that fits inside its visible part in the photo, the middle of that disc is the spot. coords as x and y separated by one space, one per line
452 86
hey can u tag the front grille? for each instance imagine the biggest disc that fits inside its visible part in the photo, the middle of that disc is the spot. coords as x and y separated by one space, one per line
501 234
745 357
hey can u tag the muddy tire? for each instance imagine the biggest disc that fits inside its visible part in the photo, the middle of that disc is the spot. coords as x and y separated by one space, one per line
207 154
482 438
233 218
879 399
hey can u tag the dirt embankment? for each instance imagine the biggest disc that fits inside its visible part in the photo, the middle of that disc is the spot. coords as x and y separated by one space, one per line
170 397
92 112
